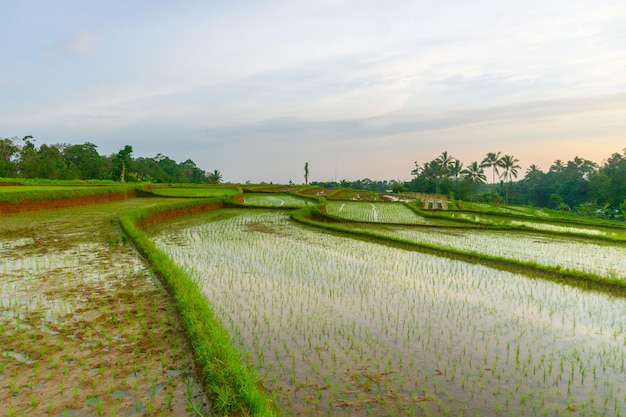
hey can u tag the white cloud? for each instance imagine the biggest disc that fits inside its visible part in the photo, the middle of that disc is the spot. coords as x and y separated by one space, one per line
80 44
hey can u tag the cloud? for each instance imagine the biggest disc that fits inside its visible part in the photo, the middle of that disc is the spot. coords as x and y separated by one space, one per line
81 44
398 123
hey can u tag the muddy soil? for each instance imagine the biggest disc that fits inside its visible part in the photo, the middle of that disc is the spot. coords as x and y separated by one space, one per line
86 329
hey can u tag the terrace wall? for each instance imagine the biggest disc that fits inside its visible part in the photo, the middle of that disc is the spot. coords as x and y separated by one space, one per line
7 207
177 212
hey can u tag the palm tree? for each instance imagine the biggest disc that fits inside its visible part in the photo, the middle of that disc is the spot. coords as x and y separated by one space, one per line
445 162
214 177
474 174
509 171
456 169
532 172
492 160
443 167
557 166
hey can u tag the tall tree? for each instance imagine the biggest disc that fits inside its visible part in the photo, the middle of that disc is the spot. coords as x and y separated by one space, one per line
509 171
215 177
445 162
84 161
28 159
474 174
456 170
442 167
9 152
557 166
124 159
306 173
492 160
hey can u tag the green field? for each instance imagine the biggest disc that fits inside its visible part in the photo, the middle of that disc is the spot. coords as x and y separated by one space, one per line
196 192
368 308
276 200
375 212
337 326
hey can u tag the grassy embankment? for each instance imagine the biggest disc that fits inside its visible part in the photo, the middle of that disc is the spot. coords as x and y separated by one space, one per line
530 219
317 218
86 330
232 386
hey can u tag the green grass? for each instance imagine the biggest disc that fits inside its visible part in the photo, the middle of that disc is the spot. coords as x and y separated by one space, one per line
231 385
317 218
278 200
196 192
39 188
40 181
505 219
18 194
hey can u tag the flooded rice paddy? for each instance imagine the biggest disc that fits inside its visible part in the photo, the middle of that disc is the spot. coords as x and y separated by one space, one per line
86 329
559 252
337 326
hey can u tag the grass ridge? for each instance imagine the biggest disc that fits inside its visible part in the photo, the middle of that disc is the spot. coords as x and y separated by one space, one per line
317 218
232 386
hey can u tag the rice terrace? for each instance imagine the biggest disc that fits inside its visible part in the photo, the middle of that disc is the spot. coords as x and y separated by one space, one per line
268 300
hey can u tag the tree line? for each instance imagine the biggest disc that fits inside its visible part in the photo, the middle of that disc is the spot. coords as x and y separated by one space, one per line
579 184
21 158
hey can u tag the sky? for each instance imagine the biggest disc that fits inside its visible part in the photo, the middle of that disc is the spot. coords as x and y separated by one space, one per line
358 89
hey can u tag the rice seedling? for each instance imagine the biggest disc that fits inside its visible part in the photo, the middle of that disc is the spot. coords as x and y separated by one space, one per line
329 321
375 212
277 200
61 286
566 253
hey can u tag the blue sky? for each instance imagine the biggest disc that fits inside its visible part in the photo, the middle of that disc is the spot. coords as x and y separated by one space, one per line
355 88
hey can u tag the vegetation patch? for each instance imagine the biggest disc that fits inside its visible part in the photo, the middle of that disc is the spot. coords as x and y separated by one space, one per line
232 386
342 326
44 198
197 192
574 277
86 329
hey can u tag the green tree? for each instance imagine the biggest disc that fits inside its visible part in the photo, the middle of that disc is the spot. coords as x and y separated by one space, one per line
456 170
84 161
215 177
191 172
493 161
9 152
27 165
608 183
509 171
123 157
474 174
51 164
534 186
306 173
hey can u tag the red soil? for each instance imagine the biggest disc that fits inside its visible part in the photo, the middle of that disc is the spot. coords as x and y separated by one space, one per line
169 214
46 204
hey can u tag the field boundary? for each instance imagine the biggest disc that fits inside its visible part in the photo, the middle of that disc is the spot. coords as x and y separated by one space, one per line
233 387
47 200
318 219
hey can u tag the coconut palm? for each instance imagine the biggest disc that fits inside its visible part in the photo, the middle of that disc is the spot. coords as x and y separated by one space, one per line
456 170
475 175
557 166
509 171
492 160
532 172
445 162
214 177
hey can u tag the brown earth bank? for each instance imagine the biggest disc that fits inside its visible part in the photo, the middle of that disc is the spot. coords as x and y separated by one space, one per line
87 329
178 212
47 204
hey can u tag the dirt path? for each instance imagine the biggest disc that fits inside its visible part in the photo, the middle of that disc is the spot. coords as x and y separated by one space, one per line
86 330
